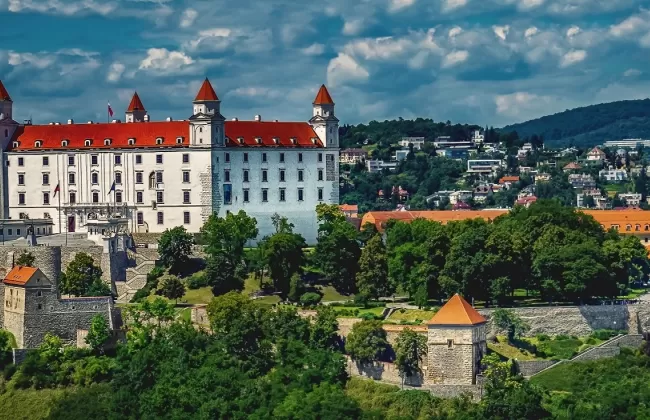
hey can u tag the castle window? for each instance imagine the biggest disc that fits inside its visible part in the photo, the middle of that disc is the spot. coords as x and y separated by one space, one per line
281 157
637 228
647 227
131 142
245 157
160 218
70 160
118 159
313 140
95 197
159 140
227 157
88 142
186 217
450 343
200 129
320 157
107 142
179 140
64 143
138 159
159 159
186 158
628 228
39 293
16 144
40 306
320 194
94 178
46 161
240 140
299 157
276 140
258 140
263 157
300 175
38 143
71 178
293 140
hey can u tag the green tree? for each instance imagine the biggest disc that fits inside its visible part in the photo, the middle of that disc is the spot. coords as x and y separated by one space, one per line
175 247
283 254
310 299
324 402
366 341
296 288
98 333
81 275
226 238
324 330
510 322
372 278
26 259
410 350
172 288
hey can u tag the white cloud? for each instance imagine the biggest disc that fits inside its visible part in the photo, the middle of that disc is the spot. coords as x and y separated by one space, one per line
450 5
30 59
384 48
572 31
115 72
632 73
67 8
397 5
531 32
353 27
214 39
220 39
454 58
631 25
530 4
645 41
573 57
344 68
314 49
501 31
188 17
161 60
456 30
519 103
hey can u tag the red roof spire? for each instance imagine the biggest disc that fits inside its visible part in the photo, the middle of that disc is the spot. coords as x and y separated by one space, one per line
323 97
136 104
4 95
206 93
457 312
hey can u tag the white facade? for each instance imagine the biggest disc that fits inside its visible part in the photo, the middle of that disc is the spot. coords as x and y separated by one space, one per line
159 175
613 175
417 142
484 166
380 165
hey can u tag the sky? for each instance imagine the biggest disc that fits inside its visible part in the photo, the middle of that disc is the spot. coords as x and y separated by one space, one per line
487 62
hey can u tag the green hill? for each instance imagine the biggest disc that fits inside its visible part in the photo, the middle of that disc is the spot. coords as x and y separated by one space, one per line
591 125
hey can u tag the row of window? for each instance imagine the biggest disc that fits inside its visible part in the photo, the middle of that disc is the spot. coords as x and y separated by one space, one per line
160 218
265 177
265 157
282 194
94 159
139 197
94 178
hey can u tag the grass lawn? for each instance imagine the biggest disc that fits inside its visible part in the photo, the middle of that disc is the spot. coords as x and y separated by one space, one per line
268 300
28 404
331 295
184 314
374 311
509 351
634 293
192 296
559 378
410 315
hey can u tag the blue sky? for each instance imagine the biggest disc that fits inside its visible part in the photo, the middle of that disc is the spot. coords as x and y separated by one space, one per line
477 61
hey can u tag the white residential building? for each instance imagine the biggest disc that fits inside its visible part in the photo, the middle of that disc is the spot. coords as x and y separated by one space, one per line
417 142
163 174
596 155
460 196
353 156
484 166
613 175
627 143
631 199
380 165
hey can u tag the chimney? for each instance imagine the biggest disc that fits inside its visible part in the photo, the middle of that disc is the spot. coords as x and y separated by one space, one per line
90 122
51 123
70 121
258 118
146 118
168 119
114 121
235 119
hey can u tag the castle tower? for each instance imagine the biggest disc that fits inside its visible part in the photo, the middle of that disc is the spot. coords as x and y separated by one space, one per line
456 343
323 120
206 122
6 104
136 112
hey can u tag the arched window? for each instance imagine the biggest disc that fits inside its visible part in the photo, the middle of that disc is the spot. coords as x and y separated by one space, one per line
64 143
88 142
179 140
107 142
628 228
159 140
200 129
38 143
131 142
637 228
152 180
16 144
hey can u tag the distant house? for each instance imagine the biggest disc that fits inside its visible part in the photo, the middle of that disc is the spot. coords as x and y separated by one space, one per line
417 142
573 166
631 199
379 165
461 205
582 181
600 201
613 175
596 155
542 178
401 193
401 155
526 201
482 192
352 156
459 196
507 181
527 147
350 210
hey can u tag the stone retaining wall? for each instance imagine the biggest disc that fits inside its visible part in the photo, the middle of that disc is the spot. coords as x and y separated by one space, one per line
597 353
531 367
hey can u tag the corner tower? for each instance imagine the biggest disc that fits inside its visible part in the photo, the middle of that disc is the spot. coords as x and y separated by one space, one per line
323 120
6 104
136 112
206 122
456 343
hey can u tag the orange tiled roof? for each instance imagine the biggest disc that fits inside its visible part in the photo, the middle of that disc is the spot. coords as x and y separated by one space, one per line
349 207
136 104
249 131
508 179
4 95
19 275
572 165
206 93
457 312
323 97
379 218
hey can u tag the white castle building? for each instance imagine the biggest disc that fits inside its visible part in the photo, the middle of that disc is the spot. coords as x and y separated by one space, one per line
162 174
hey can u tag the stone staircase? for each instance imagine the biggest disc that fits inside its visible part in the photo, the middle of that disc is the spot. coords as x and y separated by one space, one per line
141 263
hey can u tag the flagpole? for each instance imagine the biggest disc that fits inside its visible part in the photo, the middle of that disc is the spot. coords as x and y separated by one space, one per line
59 194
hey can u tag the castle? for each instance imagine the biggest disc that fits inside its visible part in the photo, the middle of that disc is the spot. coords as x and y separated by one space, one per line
154 175
32 303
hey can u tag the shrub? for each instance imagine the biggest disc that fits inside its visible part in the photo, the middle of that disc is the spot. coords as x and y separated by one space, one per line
310 299
367 316
604 334
561 337
542 337
197 280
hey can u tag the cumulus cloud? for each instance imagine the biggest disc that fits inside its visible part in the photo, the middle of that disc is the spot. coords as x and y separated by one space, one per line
501 31
573 57
532 31
519 104
573 31
221 39
456 30
314 49
344 69
451 5
632 73
67 8
397 5
188 17
454 58
115 72
161 60
530 4
353 27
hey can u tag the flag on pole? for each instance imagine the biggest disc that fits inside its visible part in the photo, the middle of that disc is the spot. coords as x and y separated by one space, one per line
110 110
56 190
112 188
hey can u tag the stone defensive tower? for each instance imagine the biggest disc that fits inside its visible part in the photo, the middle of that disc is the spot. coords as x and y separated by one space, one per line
456 343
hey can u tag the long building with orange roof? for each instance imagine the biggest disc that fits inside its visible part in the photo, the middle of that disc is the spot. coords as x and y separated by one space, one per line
627 222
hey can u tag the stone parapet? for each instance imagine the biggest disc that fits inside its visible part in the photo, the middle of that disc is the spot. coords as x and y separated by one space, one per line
529 368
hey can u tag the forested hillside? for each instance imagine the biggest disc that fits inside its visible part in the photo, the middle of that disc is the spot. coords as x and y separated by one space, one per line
591 125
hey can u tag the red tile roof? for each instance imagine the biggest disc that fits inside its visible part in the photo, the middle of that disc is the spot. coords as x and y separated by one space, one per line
247 133
323 97
457 312
206 93
19 275
4 95
146 134
508 179
349 207
136 104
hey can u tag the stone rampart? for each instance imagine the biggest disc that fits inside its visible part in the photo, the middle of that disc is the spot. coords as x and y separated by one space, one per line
630 341
529 368
597 353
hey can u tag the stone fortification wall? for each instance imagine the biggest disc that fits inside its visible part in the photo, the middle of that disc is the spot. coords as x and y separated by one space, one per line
63 317
582 320
528 368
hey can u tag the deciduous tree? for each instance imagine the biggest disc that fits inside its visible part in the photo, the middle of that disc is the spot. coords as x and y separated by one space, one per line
26 259
372 278
410 351
172 288
175 247
83 276
98 333
366 342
